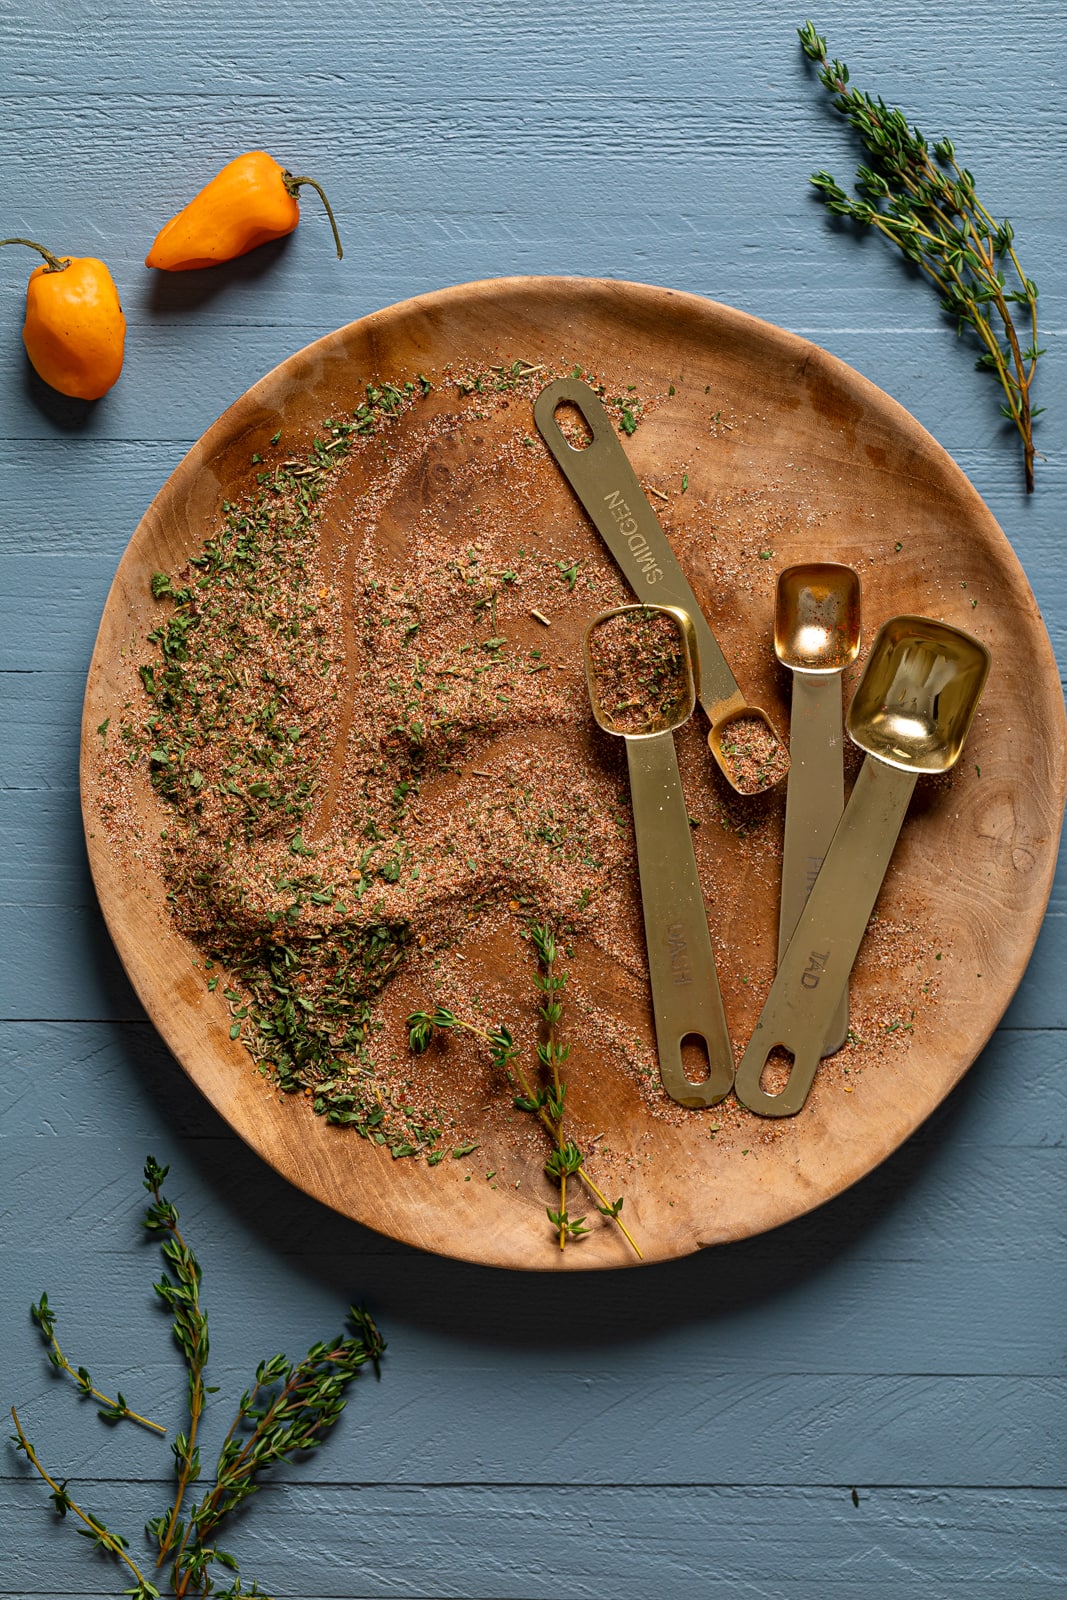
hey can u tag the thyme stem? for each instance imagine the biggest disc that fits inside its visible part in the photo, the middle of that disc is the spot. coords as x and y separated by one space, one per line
112 1410
552 1054
102 1537
308 1402
546 1104
922 200
191 1335
288 1409
547 1121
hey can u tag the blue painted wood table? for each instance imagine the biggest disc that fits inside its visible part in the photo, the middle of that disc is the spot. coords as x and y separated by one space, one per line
868 1402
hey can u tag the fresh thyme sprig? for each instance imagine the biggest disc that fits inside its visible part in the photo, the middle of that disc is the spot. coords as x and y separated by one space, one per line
182 1297
551 1054
921 199
545 1102
289 1408
110 1410
101 1537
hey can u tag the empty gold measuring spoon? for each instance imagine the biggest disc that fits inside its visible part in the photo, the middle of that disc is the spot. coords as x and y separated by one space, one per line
604 481
910 713
641 664
816 635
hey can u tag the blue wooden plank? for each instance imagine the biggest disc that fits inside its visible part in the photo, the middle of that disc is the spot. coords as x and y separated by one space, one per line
476 1543
755 1427
628 43
40 734
50 526
712 1417
682 134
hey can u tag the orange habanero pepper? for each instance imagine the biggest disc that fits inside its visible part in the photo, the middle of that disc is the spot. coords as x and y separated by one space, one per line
74 330
251 201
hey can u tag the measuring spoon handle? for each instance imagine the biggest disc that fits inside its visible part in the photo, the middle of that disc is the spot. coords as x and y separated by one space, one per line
814 969
686 999
814 800
607 486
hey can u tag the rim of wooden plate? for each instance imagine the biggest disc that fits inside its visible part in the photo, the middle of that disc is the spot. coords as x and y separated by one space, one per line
858 437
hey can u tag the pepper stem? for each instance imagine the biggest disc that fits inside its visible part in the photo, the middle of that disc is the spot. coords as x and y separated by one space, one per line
54 262
293 184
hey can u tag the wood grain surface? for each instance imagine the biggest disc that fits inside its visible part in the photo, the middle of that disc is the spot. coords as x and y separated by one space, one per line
695 1427
774 440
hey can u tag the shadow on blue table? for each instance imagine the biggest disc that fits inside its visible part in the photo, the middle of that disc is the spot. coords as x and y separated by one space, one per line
171 293
65 414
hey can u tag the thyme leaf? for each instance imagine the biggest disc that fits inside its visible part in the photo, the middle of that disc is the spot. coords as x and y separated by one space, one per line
547 1101
289 1408
920 198
110 1410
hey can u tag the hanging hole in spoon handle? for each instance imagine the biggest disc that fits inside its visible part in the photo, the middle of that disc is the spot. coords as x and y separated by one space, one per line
641 666
910 714
695 1094
791 1079
814 970
599 471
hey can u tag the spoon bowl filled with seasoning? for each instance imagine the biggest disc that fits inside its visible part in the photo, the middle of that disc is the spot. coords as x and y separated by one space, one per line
642 668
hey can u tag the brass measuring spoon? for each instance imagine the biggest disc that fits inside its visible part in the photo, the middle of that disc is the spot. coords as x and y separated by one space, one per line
910 713
606 485
686 1000
816 635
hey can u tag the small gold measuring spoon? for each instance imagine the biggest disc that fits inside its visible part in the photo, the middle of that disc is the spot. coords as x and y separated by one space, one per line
910 713
686 1000
816 635
606 485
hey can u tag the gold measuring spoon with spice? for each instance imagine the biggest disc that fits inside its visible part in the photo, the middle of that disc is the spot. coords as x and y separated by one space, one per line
641 667
606 485
910 713
816 635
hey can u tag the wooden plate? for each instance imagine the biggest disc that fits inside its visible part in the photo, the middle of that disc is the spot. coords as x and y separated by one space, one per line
759 450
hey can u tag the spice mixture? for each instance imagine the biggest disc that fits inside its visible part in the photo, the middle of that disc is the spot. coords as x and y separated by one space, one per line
320 839
755 758
365 714
641 678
